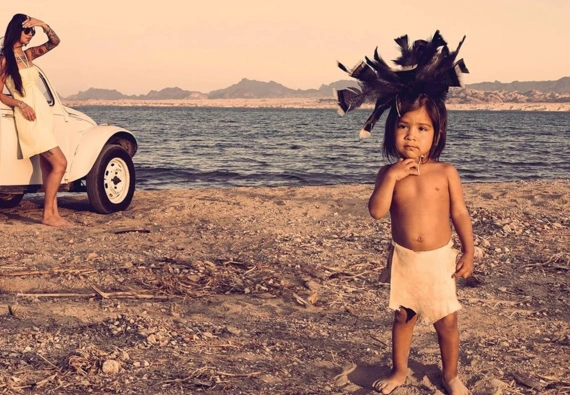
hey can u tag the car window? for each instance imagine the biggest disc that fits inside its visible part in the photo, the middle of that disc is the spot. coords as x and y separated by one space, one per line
42 84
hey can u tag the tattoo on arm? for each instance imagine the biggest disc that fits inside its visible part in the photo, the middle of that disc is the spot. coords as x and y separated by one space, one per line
53 41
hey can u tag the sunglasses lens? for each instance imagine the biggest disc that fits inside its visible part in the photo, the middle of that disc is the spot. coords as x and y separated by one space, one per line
29 30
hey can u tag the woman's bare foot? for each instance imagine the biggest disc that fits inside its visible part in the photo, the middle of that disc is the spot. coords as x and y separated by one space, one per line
57 222
387 385
455 387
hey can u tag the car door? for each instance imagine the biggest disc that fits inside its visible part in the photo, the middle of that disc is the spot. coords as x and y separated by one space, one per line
60 116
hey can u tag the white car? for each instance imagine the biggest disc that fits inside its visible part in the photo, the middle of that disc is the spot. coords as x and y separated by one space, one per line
99 158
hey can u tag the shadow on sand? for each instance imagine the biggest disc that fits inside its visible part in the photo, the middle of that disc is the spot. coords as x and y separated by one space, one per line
362 377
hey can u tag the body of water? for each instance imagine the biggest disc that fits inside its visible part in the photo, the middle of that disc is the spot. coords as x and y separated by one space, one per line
188 147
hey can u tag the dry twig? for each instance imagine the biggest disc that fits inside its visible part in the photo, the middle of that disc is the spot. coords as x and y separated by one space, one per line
41 383
108 295
43 272
491 301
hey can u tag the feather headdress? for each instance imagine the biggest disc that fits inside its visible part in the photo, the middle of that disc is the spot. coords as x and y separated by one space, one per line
425 67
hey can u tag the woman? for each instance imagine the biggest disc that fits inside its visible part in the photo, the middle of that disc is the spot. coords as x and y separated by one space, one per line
34 119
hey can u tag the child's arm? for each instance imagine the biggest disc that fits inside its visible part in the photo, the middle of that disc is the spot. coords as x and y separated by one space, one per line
462 223
381 199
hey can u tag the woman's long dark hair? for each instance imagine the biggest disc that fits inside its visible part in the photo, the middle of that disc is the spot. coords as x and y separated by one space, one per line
13 34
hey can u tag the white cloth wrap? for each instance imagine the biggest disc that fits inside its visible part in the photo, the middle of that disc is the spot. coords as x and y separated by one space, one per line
422 281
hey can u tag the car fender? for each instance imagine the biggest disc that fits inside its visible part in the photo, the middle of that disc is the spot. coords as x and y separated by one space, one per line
90 146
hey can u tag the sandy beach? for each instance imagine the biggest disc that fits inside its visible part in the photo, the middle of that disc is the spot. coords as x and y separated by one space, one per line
305 103
272 291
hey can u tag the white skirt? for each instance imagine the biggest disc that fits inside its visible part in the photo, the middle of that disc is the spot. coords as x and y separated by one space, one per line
422 281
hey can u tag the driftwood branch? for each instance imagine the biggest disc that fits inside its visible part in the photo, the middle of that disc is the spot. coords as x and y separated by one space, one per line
554 380
239 374
130 230
491 301
553 259
199 371
44 272
98 293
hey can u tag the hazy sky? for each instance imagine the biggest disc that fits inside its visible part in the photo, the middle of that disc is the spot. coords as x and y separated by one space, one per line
138 46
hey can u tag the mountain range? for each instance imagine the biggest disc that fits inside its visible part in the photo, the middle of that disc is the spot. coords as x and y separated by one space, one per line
525 91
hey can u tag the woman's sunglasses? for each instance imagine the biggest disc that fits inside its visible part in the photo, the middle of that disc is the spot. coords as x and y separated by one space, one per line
29 30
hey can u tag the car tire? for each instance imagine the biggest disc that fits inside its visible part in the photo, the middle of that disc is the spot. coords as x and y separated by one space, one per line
8 200
111 180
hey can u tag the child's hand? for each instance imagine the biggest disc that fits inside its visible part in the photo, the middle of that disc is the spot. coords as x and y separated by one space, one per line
464 267
403 168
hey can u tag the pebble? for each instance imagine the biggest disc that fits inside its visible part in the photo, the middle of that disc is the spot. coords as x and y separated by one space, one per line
232 330
110 366
478 253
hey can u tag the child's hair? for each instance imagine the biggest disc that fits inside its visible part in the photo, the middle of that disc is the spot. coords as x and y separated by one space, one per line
437 112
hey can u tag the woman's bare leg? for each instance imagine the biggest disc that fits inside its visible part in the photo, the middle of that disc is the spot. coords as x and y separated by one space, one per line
402 333
53 165
46 168
448 338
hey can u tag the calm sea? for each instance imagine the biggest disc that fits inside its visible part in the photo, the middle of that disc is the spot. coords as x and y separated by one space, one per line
188 147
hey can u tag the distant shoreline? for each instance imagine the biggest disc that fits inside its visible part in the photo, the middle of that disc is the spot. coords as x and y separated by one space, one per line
304 103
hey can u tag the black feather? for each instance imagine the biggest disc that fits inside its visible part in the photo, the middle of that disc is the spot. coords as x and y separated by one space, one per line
462 67
348 99
382 104
426 67
460 44
402 41
342 67
362 72
437 40
383 72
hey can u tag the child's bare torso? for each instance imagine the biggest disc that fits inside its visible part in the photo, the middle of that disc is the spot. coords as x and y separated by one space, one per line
420 210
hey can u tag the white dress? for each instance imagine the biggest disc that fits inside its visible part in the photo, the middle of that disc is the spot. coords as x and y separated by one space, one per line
35 136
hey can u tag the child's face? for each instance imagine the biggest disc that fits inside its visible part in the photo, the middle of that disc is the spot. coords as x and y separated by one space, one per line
414 134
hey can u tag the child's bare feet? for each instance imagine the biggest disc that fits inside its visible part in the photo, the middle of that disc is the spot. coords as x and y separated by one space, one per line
387 385
455 387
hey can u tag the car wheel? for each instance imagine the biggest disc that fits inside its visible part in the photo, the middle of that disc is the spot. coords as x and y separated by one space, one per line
8 200
111 181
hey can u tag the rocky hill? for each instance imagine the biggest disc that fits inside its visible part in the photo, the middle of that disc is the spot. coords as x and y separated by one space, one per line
471 96
112 94
260 90
100 94
484 92
561 86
